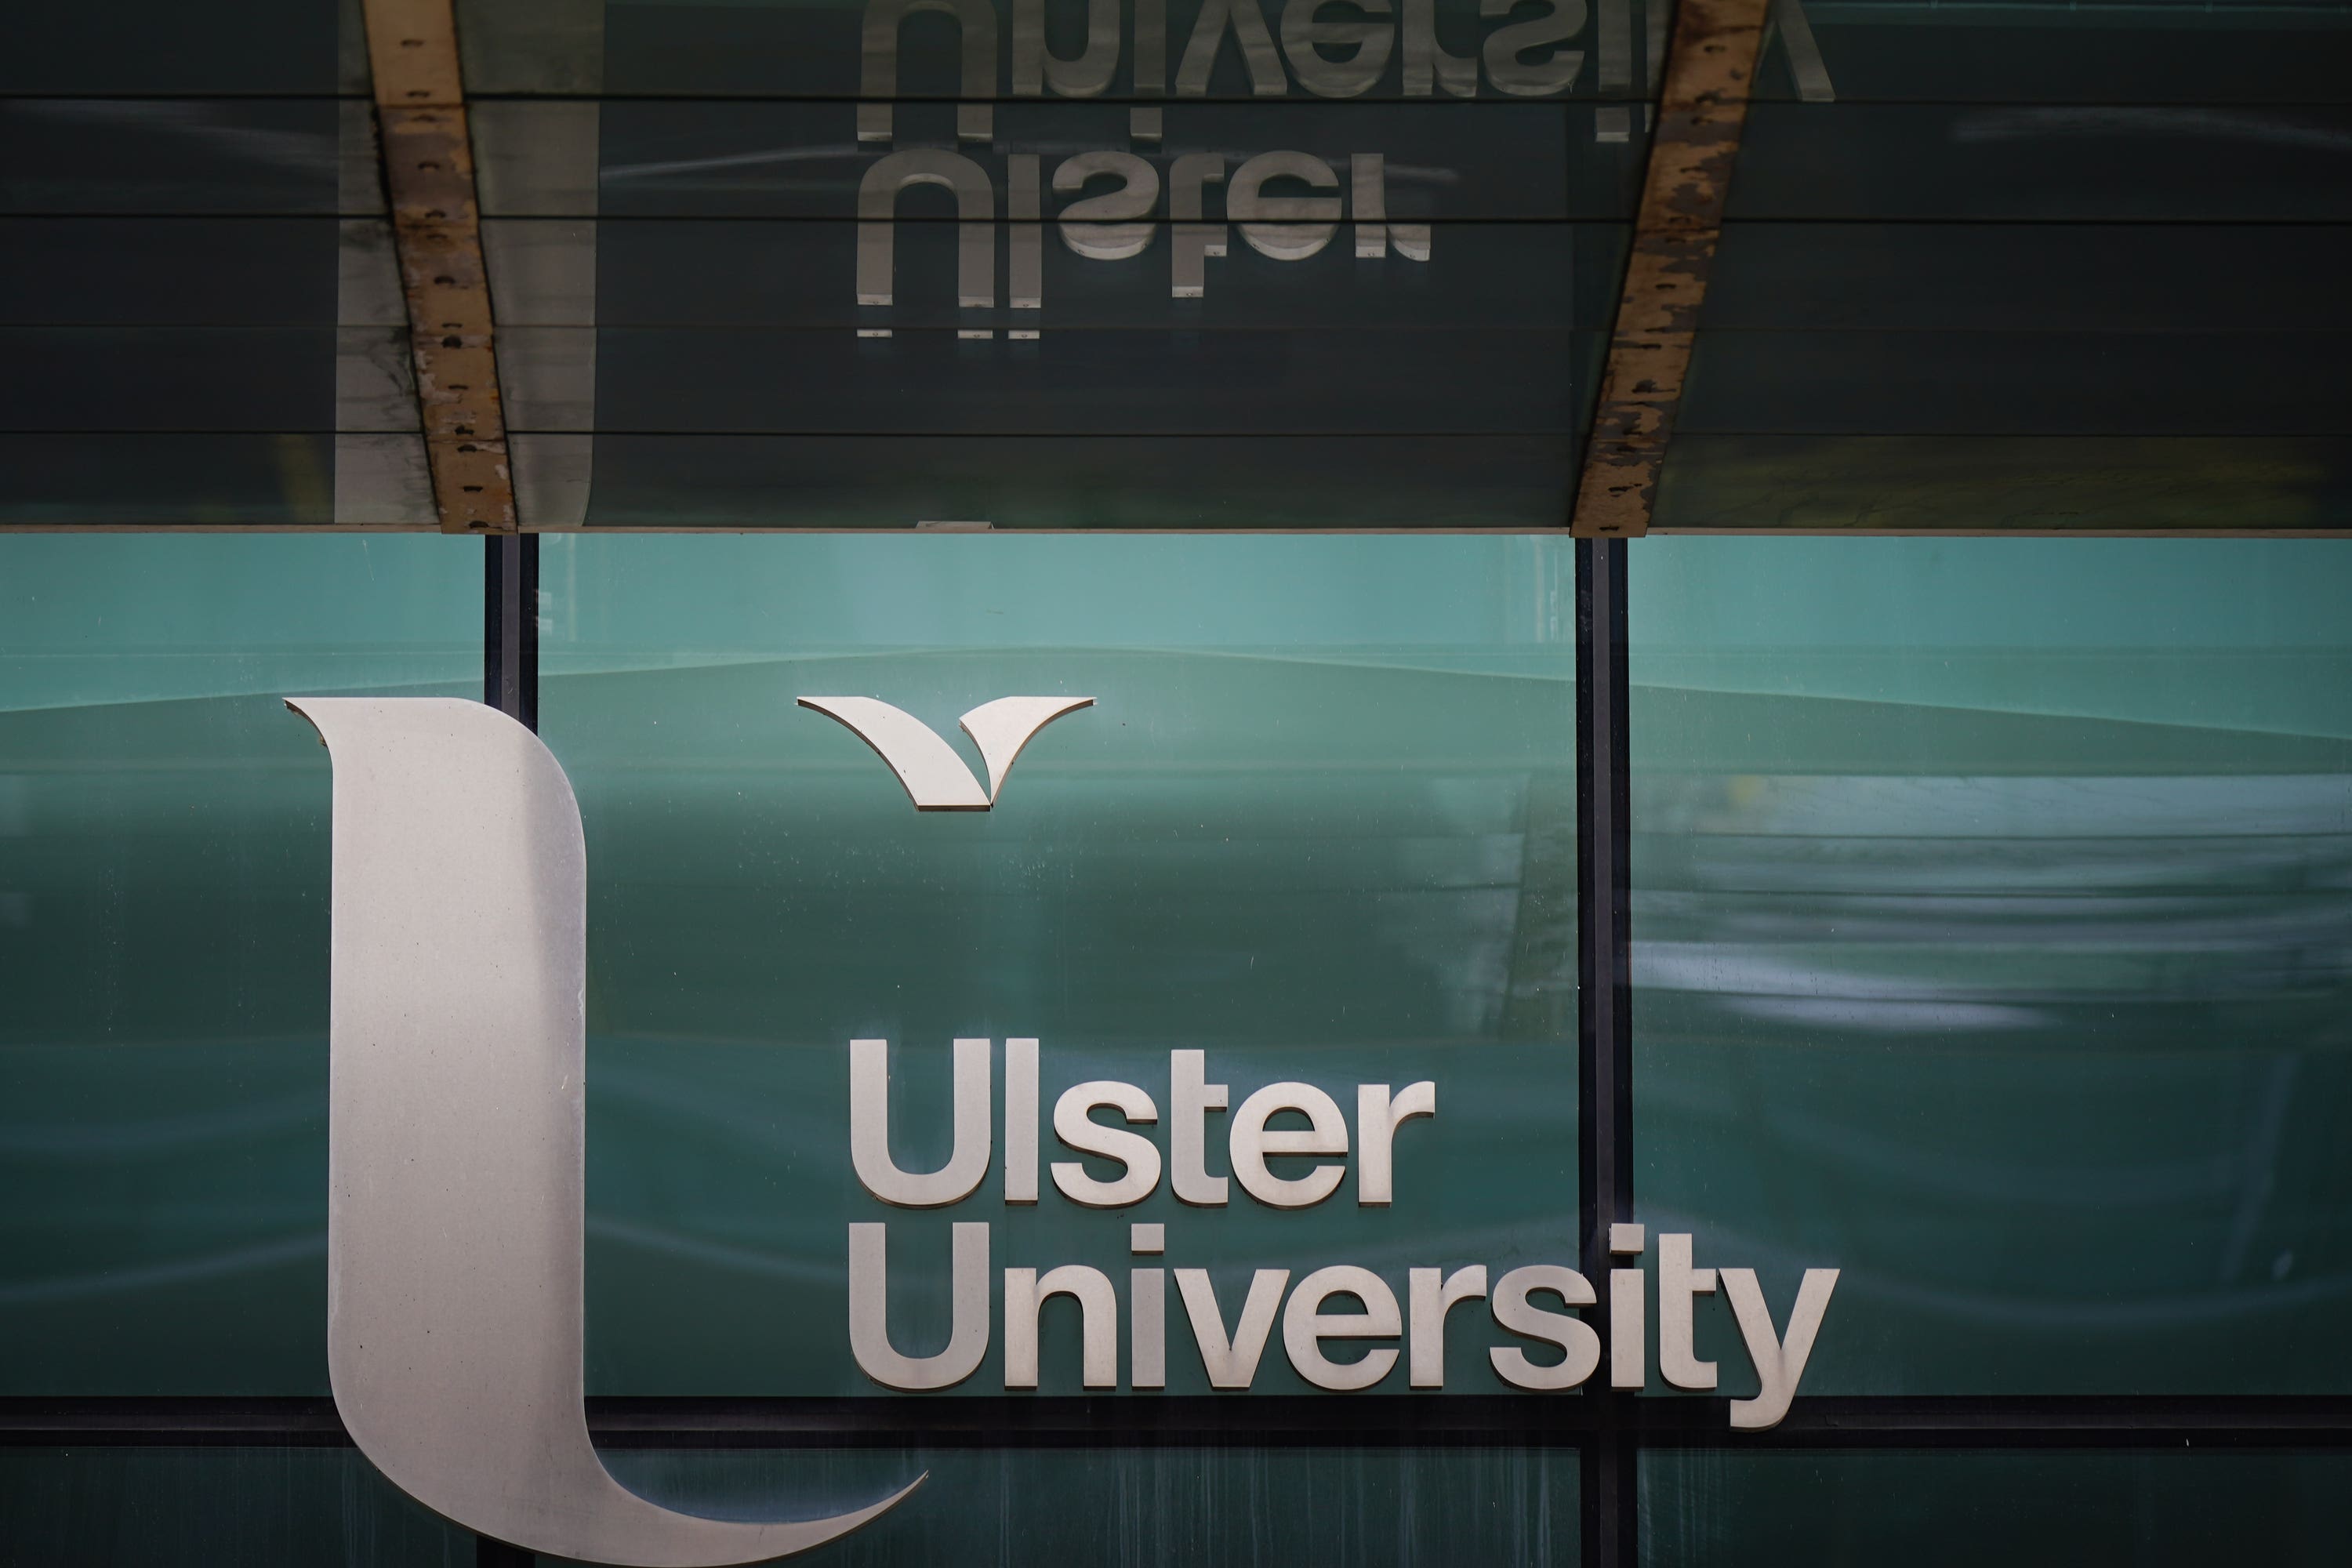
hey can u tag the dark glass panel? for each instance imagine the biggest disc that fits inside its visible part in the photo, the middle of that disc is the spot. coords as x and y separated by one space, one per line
1218 1508
2054 278
199 1508
168 378
2163 53
223 480
1085 383
112 156
814 48
2047 383
2069 163
1082 482
1524 279
1991 483
213 272
2160 1509
801 159
183 47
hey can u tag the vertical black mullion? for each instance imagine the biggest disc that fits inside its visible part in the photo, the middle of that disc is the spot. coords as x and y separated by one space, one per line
510 627
1605 1035
489 1553
510 685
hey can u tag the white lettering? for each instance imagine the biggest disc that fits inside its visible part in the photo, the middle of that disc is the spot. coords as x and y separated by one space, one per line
869 1295
1305 1325
1252 1142
1572 1335
1020 1122
869 1129
1679 1285
1025 1296
1138 1154
1191 1096
1779 1363
1231 1362
1433 1293
1376 1119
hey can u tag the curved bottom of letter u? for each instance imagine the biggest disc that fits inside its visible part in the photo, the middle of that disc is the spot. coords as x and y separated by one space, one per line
456 1132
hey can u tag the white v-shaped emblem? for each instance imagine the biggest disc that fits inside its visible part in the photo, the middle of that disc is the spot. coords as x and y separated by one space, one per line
935 778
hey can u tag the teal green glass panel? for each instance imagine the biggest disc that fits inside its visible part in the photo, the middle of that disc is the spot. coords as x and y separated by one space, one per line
1318 1508
163 827
2159 1508
807 48
1319 823
199 1508
1991 913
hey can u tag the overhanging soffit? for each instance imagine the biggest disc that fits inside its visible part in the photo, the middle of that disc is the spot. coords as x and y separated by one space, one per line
1709 72
428 171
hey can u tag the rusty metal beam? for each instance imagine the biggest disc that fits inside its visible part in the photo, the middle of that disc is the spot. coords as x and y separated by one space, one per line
428 173
1710 70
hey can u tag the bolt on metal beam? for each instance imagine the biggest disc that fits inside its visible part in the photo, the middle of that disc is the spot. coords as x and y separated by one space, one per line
1710 71
429 171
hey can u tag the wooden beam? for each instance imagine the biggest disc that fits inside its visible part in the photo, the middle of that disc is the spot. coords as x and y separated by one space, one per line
428 173
1710 69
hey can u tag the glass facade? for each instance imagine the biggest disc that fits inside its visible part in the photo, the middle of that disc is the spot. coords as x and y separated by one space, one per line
1937 1508
1815 1033
1988 944
165 852
1319 825
1989 918
1987 267
1214 1506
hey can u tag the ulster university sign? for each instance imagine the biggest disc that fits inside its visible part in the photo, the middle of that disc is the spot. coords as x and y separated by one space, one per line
457 1146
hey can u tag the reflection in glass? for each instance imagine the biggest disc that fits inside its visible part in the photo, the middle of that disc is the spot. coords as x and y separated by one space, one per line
198 1508
162 901
2155 1508
1207 1506
1318 823
1992 907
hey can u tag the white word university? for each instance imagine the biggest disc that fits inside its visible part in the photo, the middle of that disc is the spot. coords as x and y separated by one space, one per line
1548 1346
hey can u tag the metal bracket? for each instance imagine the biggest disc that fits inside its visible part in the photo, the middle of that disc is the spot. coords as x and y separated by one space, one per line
428 173
1710 70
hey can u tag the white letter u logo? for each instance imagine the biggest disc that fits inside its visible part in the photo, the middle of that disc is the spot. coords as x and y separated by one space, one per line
456 1132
